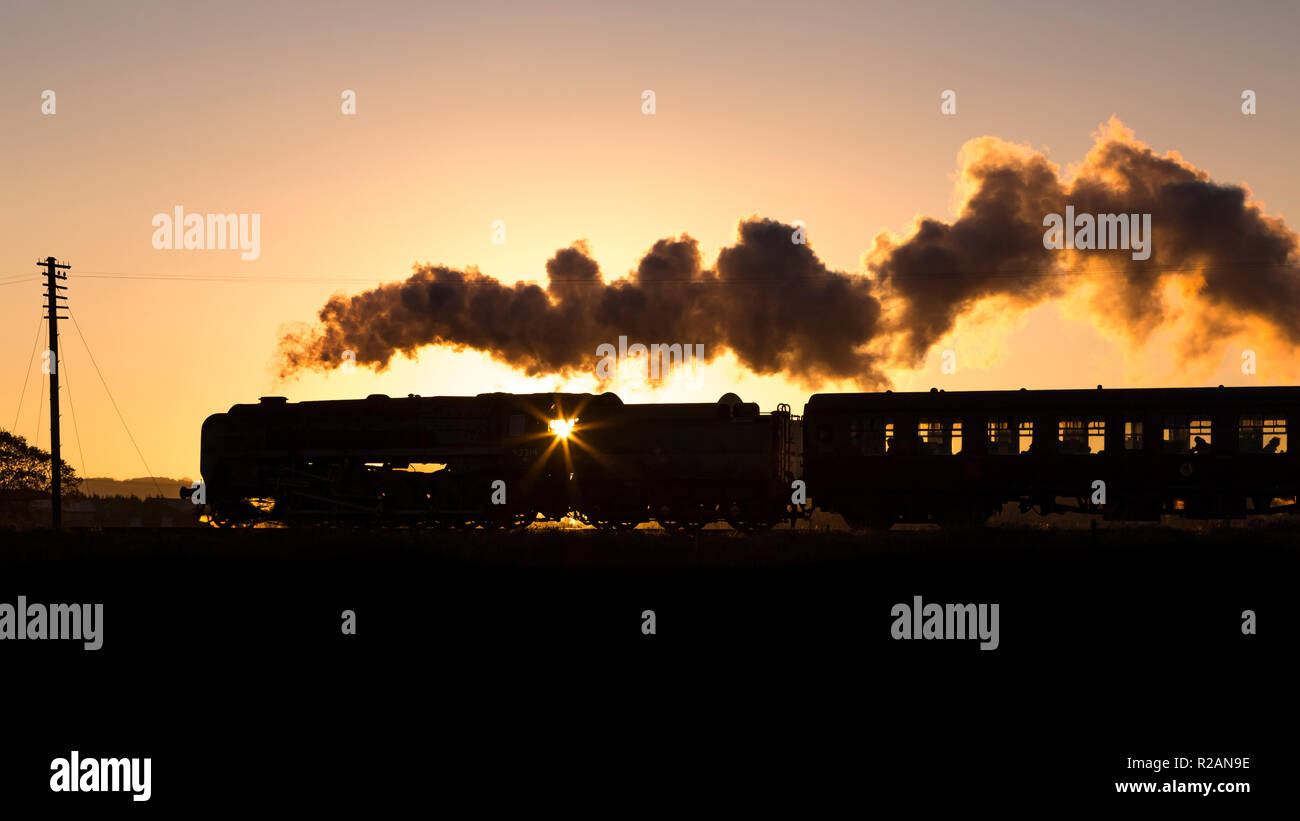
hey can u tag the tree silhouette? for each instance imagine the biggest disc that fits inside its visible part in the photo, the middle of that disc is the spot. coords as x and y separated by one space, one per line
27 467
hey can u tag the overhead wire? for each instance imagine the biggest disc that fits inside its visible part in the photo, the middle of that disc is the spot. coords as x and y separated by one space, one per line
27 374
67 383
120 417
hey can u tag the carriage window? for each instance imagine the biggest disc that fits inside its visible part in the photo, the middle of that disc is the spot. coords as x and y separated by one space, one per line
1262 434
1072 434
1199 429
1096 435
516 424
1175 435
882 433
939 437
1186 434
930 431
871 437
1001 442
1026 428
1132 436
1078 434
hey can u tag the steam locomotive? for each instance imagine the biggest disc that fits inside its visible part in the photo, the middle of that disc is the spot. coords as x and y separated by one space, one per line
952 458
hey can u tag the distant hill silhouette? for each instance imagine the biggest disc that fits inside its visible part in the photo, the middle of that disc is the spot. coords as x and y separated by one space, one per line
142 487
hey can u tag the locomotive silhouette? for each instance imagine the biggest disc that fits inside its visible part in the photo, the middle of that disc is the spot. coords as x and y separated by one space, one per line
952 458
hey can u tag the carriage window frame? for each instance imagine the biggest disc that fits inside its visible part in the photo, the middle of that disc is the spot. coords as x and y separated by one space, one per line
872 435
1025 434
1096 432
1173 433
1071 435
884 426
1134 436
1268 425
929 434
1005 444
1080 434
1200 425
1178 431
939 435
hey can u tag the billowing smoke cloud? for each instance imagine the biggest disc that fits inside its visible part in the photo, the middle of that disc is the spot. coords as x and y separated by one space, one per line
779 309
768 300
1242 264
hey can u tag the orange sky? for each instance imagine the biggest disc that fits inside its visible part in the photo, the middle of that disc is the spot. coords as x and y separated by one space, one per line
531 113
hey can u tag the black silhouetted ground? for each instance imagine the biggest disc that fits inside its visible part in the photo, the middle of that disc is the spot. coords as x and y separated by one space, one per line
772 662
543 546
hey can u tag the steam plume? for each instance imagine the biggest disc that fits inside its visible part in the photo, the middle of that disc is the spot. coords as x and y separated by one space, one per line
767 299
780 310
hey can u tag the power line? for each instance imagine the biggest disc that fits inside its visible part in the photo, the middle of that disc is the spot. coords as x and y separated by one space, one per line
311 280
121 418
28 373
75 429
222 278
40 414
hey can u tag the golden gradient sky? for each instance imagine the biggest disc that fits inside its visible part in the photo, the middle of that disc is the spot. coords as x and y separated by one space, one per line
531 113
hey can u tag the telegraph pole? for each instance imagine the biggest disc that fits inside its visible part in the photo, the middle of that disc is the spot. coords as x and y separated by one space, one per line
52 288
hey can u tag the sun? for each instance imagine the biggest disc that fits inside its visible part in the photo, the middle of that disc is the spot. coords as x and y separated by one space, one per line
563 427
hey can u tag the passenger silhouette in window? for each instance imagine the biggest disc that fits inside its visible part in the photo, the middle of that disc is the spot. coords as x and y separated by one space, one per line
1201 446
1273 444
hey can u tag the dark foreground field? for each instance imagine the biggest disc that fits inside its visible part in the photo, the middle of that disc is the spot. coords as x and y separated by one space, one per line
519 661
549 546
